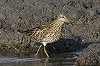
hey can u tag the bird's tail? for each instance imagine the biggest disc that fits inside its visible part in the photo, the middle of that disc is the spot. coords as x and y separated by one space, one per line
27 32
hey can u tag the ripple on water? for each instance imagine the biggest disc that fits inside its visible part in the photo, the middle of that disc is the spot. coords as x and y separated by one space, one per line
28 59
6 60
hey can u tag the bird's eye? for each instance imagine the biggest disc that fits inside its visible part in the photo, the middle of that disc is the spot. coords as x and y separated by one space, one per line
63 17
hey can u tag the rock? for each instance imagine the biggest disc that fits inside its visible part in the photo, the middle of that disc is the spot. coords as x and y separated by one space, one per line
90 56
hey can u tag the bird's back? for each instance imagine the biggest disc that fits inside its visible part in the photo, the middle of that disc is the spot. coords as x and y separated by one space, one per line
35 33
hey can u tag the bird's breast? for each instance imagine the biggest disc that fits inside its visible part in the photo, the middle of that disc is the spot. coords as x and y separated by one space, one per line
51 37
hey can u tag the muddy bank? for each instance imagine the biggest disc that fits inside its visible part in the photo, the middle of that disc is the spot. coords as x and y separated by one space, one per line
90 56
25 14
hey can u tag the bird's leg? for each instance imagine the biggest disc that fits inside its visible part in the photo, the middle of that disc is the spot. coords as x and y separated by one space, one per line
38 50
46 51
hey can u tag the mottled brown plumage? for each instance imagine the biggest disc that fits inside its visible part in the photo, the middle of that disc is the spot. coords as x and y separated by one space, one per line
47 33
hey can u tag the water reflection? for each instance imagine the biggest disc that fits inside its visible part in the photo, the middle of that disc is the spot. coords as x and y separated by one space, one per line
60 60
28 59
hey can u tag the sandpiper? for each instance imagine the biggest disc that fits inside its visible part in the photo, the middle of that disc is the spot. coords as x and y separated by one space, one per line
47 33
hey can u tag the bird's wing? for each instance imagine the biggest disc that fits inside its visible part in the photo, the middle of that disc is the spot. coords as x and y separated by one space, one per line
37 33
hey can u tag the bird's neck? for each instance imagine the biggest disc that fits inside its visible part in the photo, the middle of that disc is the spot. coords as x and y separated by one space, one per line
57 25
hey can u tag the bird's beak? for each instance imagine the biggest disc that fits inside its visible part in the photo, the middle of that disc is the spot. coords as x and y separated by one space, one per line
67 22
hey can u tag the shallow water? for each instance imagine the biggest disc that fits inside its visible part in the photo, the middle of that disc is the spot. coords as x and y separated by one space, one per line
28 59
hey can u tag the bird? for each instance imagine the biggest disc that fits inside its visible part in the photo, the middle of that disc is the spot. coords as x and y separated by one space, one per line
46 34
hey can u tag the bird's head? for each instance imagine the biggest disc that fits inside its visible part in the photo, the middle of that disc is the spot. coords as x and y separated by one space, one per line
63 18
